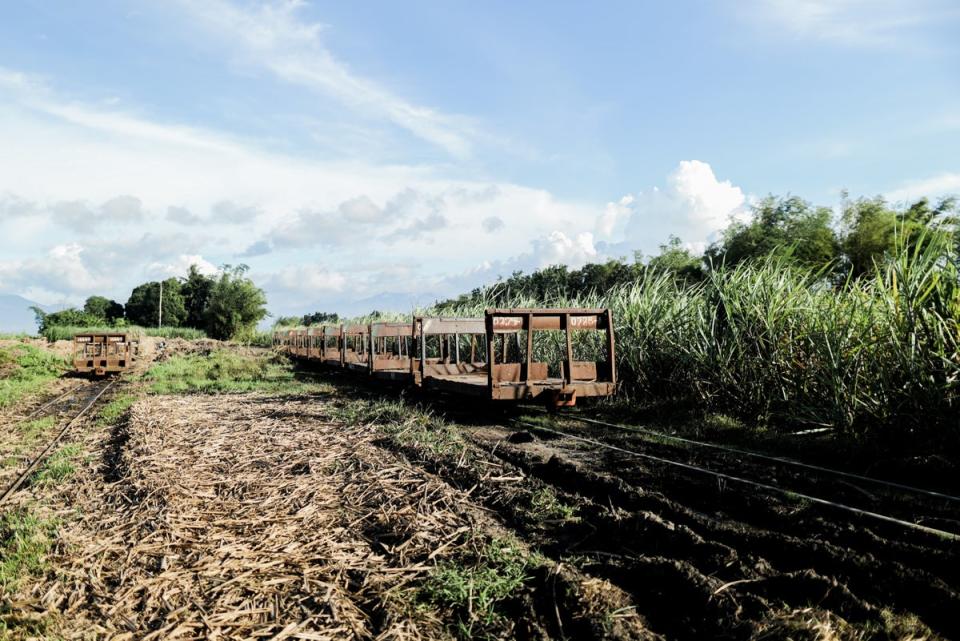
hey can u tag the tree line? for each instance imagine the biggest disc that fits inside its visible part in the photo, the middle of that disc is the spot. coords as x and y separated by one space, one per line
226 306
843 245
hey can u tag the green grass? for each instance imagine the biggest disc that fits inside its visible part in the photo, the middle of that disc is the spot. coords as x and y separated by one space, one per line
113 410
60 465
225 371
25 369
406 424
25 540
545 505
476 585
66 333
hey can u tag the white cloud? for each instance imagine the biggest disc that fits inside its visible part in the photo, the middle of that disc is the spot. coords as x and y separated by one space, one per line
869 23
294 209
946 184
693 205
271 35
559 249
615 214
310 280
61 271
180 265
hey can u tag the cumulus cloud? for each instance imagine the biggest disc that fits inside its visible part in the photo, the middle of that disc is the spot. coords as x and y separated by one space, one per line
559 249
84 217
180 265
122 209
360 210
62 269
614 215
693 205
13 206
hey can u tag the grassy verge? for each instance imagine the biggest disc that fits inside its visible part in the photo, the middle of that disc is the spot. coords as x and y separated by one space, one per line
225 371
25 369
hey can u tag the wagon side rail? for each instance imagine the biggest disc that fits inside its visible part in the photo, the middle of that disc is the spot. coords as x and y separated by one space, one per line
529 377
391 344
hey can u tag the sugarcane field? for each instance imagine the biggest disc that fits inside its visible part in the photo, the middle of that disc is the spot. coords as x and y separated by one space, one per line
479 322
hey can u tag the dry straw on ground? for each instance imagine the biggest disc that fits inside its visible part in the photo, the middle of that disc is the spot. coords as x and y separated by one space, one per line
247 517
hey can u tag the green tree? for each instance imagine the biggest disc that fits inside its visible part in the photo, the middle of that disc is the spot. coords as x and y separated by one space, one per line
143 305
676 259
872 230
288 321
236 305
319 318
790 227
196 296
104 308
66 318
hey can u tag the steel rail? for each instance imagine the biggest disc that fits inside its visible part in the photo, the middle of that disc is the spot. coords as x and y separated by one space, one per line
49 403
766 486
56 439
768 457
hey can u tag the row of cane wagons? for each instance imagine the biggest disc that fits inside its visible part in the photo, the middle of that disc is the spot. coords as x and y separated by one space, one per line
555 355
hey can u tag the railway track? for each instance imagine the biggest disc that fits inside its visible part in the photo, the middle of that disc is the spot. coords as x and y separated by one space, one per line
50 404
908 506
73 405
776 489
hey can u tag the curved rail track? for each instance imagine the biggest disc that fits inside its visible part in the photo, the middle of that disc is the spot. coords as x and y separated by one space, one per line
77 408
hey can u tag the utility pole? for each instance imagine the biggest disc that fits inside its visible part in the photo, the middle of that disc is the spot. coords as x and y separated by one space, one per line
160 308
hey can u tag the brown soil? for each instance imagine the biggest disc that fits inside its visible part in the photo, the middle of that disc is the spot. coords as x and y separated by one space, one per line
701 559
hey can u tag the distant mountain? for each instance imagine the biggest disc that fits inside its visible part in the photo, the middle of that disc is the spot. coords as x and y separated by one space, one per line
15 314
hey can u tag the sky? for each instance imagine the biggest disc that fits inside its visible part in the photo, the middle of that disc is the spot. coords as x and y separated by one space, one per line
384 154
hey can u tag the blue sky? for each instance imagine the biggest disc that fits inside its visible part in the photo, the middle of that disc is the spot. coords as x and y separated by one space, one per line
416 149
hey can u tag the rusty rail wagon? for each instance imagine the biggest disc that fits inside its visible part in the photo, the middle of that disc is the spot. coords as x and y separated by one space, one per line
104 353
556 355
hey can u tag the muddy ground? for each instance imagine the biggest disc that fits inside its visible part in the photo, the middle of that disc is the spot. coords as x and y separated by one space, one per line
356 513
